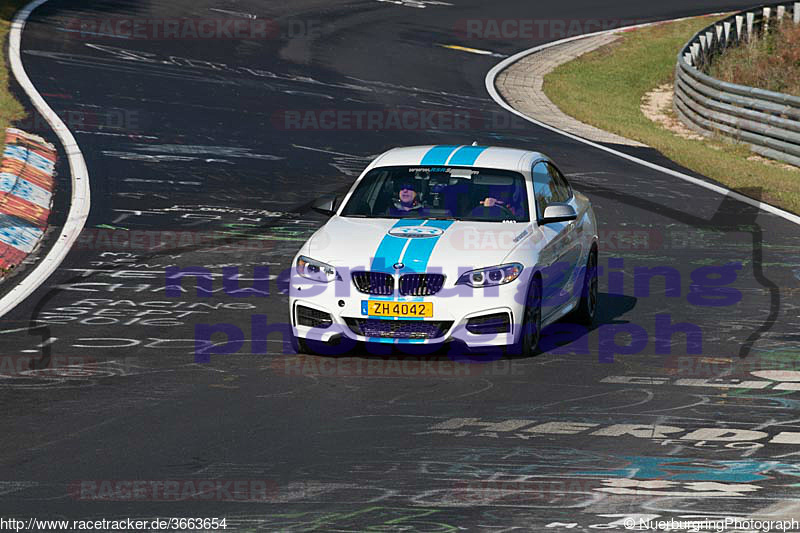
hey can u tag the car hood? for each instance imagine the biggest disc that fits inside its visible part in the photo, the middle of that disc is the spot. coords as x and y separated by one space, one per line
379 244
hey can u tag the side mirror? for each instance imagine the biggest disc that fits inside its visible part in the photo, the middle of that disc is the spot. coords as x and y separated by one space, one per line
558 213
325 205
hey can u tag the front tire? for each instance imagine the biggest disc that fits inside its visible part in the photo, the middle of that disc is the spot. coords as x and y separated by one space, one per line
299 345
337 348
528 342
587 307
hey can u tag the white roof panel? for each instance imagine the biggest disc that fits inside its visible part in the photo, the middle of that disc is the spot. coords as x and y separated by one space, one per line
467 156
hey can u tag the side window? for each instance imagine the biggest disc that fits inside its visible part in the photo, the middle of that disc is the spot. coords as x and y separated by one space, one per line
563 190
367 196
544 187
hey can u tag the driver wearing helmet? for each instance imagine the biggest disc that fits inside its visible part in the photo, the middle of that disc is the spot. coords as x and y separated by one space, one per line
407 199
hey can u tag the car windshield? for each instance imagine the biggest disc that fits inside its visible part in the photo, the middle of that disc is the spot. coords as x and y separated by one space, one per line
452 193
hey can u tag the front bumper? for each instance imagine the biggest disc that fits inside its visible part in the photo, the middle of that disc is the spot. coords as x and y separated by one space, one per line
456 310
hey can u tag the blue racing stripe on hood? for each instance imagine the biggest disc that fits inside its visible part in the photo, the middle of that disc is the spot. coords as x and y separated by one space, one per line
390 249
438 155
467 155
419 251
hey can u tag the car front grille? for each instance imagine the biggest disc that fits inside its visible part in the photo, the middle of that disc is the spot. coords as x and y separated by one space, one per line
421 284
398 329
375 283
382 284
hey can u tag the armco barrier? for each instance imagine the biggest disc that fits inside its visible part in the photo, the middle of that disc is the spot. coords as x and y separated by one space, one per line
27 174
768 121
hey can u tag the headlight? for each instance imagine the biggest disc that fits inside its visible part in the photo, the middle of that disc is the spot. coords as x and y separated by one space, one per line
316 270
487 277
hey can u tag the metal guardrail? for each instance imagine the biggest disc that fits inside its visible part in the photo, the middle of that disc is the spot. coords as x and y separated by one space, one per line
768 121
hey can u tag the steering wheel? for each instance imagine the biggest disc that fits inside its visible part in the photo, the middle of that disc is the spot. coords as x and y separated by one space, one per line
484 211
507 210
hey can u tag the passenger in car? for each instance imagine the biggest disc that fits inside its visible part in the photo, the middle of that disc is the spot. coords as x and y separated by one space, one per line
498 200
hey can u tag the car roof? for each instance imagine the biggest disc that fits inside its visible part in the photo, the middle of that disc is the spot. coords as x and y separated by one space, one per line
495 157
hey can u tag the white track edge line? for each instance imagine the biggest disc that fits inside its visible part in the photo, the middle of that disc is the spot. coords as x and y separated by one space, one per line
80 201
504 64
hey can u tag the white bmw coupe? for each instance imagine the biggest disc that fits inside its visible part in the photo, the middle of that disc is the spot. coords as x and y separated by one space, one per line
434 244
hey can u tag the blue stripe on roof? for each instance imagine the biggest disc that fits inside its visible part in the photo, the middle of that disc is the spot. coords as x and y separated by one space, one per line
438 155
467 155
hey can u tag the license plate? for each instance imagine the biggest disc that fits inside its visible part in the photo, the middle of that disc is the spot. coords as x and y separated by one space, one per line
397 309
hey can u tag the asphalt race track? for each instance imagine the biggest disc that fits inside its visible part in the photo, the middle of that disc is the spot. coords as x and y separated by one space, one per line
187 138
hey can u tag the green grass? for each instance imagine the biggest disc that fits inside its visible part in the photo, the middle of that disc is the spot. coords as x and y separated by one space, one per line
620 74
10 109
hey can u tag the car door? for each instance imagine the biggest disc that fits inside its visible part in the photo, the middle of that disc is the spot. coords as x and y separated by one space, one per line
555 255
572 239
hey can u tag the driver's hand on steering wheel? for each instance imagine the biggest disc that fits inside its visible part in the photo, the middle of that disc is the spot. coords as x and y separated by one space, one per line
491 202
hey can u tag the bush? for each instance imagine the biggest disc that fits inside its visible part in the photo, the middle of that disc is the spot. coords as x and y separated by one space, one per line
771 61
